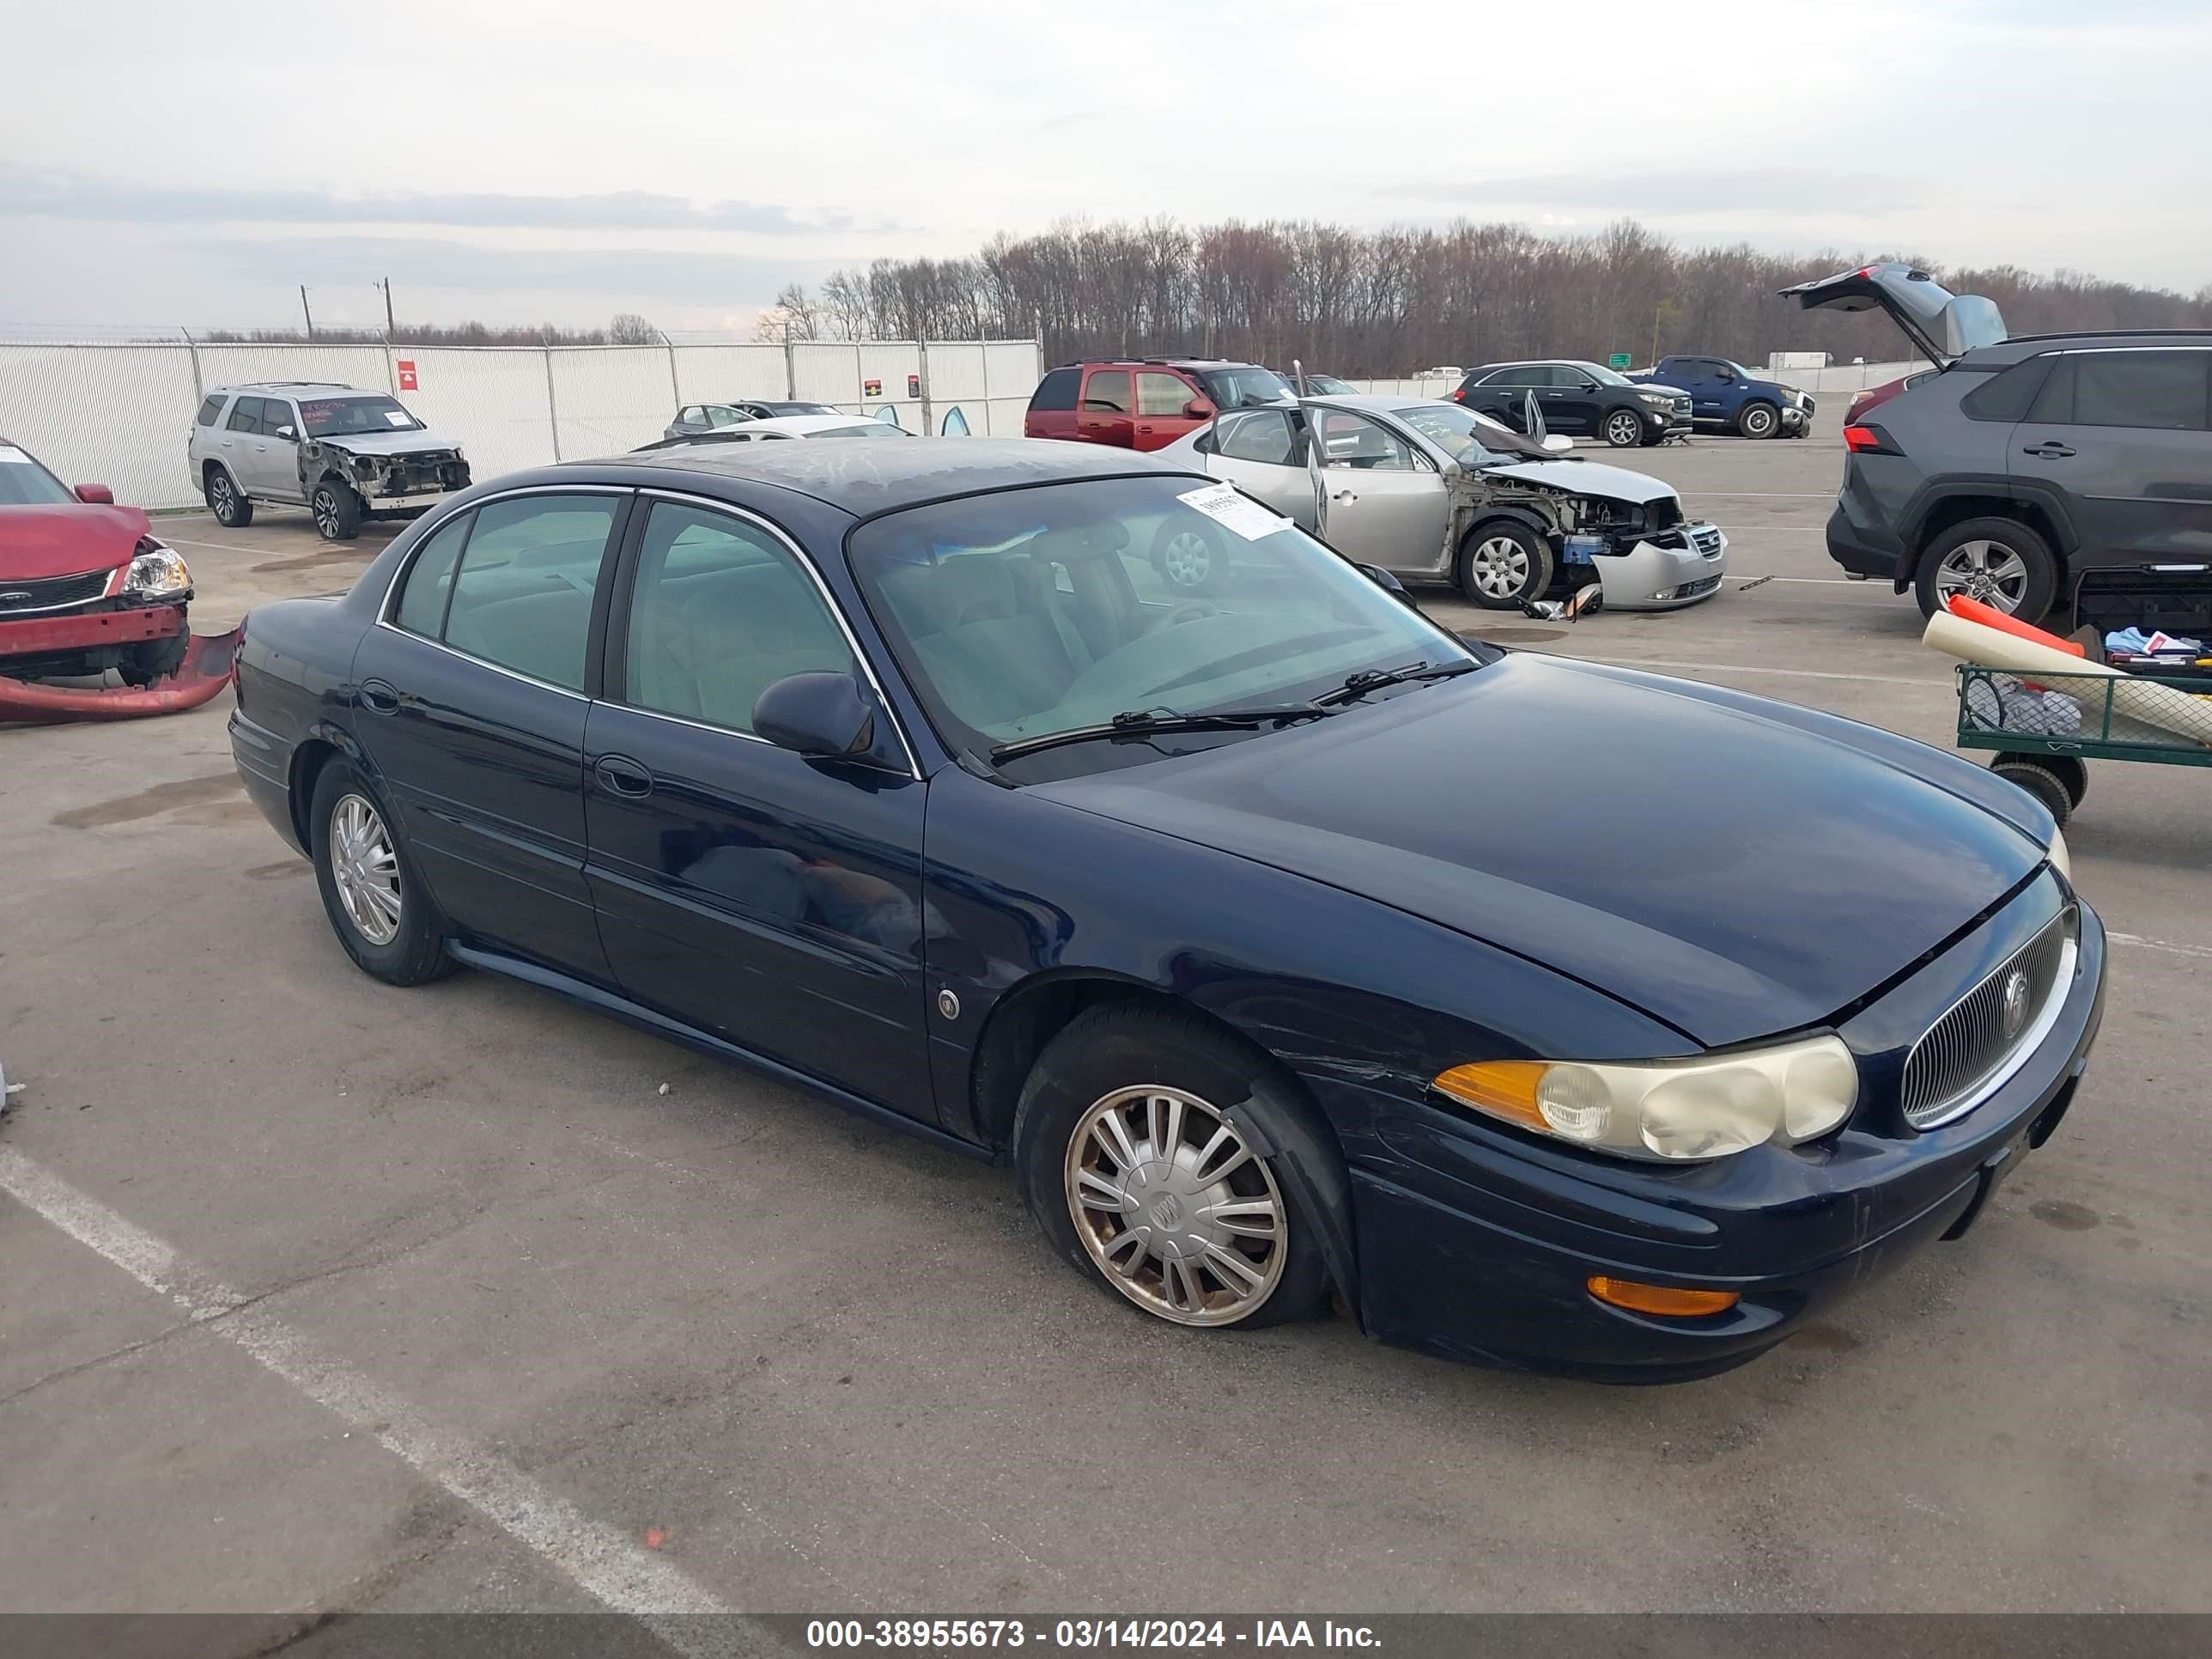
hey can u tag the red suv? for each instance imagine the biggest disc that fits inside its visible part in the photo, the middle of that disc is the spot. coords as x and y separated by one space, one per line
1147 403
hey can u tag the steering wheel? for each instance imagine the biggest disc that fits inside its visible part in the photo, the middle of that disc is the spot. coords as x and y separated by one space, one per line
1191 611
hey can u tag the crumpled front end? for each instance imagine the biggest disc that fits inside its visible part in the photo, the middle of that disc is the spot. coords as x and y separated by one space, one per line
200 676
398 482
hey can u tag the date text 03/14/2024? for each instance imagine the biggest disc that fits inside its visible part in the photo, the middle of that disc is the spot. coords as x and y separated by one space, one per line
949 1634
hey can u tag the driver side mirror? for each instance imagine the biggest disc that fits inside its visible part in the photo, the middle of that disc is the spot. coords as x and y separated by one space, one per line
821 715
288 433
1198 410
96 495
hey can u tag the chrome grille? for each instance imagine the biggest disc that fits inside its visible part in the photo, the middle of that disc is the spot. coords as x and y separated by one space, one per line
1985 1034
1707 540
19 598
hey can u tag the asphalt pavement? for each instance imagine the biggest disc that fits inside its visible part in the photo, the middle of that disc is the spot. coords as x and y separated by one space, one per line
319 1295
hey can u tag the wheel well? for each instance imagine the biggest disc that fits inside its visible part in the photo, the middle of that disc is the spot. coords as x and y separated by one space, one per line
308 763
208 470
1957 509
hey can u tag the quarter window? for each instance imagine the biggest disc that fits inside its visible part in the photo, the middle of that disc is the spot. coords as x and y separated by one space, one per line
210 409
2006 396
528 579
720 613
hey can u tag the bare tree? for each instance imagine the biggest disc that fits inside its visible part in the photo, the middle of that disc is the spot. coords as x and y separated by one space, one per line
793 317
629 329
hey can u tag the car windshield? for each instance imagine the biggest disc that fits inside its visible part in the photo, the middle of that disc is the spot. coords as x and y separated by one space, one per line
1603 375
1471 439
1242 388
24 483
860 430
1025 613
339 417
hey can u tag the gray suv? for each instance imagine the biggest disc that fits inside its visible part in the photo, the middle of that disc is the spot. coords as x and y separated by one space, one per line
2025 461
343 453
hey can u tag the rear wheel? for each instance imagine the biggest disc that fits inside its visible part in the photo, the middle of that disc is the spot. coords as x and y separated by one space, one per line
1171 1166
2041 780
1501 565
1623 428
1758 419
2000 561
376 905
225 499
337 510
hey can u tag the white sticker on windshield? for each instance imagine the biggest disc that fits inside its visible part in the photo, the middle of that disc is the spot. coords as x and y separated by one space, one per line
1239 514
12 456
399 417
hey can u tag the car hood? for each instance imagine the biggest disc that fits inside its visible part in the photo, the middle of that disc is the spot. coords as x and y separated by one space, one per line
1588 479
66 538
389 443
1699 854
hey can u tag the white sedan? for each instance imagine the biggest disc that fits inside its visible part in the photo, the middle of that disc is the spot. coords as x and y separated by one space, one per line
791 426
1431 491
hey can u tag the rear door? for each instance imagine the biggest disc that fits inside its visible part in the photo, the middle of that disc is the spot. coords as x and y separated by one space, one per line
2125 437
1263 453
1503 393
773 900
1941 326
1162 397
1107 415
253 450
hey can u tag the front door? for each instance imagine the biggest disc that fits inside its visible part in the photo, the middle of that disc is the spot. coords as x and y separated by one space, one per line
1161 399
1105 415
1702 380
2123 435
1387 504
472 697
772 900
1569 401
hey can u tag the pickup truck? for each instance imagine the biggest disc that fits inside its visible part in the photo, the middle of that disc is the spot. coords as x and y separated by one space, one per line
1726 394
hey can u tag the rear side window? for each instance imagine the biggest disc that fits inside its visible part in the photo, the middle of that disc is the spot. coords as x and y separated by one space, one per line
2008 395
1056 389
245 415
2163 390
430 579
1108 391
523 596
210 409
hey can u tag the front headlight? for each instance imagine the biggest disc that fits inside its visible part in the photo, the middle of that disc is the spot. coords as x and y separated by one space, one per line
1670 1109
2059 860
156 572
1656 397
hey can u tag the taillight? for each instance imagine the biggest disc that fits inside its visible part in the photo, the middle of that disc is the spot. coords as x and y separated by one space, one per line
1869 440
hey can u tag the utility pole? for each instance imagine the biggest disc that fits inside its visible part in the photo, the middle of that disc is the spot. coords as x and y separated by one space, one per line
390 327
304 311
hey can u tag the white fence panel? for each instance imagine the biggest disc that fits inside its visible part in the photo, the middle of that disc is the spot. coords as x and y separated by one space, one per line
956 372
826 373
363 366
117 415
492 398
713 373
610 399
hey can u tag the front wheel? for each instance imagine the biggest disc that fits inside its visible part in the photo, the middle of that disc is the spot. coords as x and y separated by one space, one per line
1623 428
2041 781
1188 558
1172 1167
2000 561
1501 566
337 510
1758 419
377 907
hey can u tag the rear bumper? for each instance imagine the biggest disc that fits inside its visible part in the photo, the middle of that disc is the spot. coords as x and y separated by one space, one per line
1862 550
88 630
1482 1249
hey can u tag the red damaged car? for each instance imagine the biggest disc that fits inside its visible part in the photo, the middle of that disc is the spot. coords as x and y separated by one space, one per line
85 585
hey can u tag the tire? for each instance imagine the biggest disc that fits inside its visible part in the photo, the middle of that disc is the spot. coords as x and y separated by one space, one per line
337 510
415 951
1623 428
153 659
1188 557
2000 561
225 499
1239 1135
2071 771
2041 781
1758 419
1492 555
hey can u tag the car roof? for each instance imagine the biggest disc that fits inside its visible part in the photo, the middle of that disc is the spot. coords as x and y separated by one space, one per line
867 478
299 385
1386 403
2019 346
802 424
1159 363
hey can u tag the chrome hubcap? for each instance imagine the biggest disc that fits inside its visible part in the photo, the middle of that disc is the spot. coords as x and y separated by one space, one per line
1171 1203
327 512
1988 571
1759 422
365 869
220 488
1187 558
1624 429
1500 566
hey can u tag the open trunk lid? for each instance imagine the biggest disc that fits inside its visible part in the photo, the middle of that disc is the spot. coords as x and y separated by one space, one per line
1942 325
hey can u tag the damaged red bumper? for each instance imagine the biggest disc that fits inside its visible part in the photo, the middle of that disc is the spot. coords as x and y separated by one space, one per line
199 678
35 637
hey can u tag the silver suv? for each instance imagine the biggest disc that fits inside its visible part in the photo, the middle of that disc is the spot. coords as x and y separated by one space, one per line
343 453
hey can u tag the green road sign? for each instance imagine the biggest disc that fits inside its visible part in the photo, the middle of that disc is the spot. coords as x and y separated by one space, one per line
1618 360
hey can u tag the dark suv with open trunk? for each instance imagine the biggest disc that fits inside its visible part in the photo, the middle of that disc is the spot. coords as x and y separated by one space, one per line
2026 461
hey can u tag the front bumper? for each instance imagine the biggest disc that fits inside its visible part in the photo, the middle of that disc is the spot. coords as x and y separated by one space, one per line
1479 1246
87 631
416 501
1684 566
1796 418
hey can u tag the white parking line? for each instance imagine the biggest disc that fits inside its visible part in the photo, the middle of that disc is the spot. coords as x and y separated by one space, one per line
2141 944
1765 495
598 1560
226 547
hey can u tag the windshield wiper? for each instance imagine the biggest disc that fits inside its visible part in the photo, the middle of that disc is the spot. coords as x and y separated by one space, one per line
1154 723
1374 679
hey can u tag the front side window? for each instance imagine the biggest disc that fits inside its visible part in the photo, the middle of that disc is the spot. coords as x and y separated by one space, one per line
1353 440
1107 391
720 613
721 415
1245 386
1161 394
528 577
354 414
1019 613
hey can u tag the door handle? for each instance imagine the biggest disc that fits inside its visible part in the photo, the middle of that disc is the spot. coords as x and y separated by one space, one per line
2048 450
1344 495
618 774
380 697
1144 428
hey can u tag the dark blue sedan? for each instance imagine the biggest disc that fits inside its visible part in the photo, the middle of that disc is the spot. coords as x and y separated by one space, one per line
1548 1014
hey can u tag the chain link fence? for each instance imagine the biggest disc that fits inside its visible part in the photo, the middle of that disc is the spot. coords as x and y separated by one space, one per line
119 413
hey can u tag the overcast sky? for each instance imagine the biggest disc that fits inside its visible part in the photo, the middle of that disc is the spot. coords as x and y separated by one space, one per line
561 161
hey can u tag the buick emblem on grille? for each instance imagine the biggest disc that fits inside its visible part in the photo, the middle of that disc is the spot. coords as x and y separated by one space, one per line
2015 1002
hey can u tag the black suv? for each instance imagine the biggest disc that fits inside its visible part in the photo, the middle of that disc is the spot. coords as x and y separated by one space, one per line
2024 462
1572 397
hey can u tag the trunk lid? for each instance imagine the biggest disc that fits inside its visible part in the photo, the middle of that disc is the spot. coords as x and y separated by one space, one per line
1941 326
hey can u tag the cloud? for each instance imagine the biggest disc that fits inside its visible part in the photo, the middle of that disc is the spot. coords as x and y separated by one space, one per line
1657 195
71 196
683 275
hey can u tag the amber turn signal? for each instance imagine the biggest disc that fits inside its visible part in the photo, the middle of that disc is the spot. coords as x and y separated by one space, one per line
1660 1298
